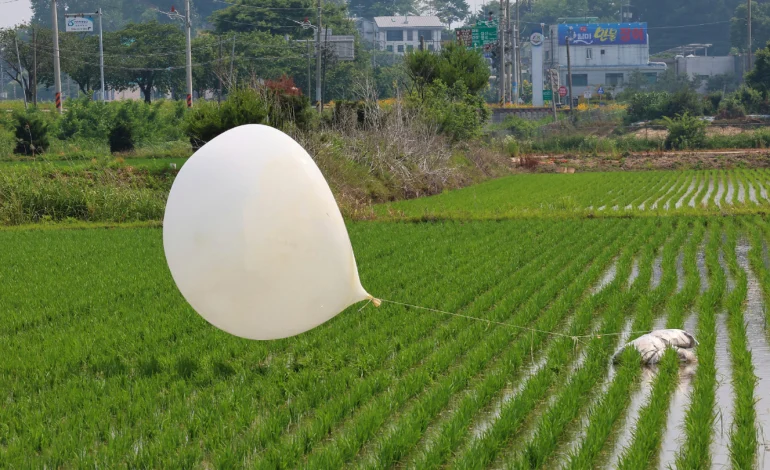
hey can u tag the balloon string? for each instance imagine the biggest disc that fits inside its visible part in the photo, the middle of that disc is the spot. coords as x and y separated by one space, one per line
377 303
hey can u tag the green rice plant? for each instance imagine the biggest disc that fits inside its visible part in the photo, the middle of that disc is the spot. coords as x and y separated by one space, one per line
743 435
700 416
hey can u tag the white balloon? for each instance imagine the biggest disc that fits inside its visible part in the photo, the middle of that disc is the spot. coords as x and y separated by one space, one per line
254 238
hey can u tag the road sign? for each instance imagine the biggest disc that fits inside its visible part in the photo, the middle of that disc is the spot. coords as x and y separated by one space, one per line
83 24
587 94
562 91
465 36
600 91
483 35
547 95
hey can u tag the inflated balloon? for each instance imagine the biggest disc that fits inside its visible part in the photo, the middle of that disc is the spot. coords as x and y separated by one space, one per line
254 238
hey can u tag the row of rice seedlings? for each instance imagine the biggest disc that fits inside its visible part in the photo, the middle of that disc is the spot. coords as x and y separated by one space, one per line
424 346
649 424
708 190
639 193
730 193
110 326
608 409
691 188
463 356
759 185
484 449
309 396
392 446
699 420
573 398
703 182
663 194
455 429
655 298
688 181
648 305
625 188
743 435
429 329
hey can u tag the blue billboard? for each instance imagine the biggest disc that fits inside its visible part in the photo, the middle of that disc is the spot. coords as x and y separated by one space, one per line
603 34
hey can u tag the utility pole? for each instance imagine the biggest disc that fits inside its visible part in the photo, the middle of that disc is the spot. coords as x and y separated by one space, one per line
749 26
501 53
307 44
318 59
509 55
219 66
188 27
101 52
56 65
569 75
518 53
21 72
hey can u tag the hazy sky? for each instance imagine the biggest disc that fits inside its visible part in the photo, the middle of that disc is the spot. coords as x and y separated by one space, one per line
13 12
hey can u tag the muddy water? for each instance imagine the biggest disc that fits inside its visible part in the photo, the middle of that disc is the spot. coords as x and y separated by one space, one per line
577 439
700 261
634 273
720 453
741 193
752 194
756 329
697 191
690 189
762 191
638 399
680 272
671 188
657 271
509 393
709 191
720 192
608 277
730 192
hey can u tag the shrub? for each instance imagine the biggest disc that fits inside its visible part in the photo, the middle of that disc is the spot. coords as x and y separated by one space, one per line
457 113
684 101
646 106
206 121
712 102
685 132
31 131
520 128
122 134
511 146
731 108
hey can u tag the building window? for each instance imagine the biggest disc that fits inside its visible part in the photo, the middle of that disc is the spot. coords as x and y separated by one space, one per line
602 53
409 48
580 79
547 56
409 35
651 77
400 48
425 34
613 79
389 48
430 47
589 53
395 35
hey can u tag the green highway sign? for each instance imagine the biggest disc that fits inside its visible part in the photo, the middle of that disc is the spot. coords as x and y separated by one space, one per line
482 36
547 95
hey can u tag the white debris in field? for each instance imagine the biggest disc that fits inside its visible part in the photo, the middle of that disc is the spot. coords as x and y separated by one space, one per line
653 345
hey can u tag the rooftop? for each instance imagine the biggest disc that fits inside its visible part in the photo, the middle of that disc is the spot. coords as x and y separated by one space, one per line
386 22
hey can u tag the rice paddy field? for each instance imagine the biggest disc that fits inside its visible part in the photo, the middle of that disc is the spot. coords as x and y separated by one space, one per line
105 365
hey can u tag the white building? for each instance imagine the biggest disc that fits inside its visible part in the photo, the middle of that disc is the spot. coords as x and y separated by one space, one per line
399 34
601 55
705 67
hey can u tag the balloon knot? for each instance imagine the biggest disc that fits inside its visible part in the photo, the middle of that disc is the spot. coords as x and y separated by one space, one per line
375 301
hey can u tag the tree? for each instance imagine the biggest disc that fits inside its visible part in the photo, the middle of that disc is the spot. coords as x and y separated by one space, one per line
371 8
451 11
760 26
149 56
35 53
80 60
759 77
455 63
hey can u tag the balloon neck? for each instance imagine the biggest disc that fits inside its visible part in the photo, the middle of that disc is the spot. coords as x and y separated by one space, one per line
377 302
